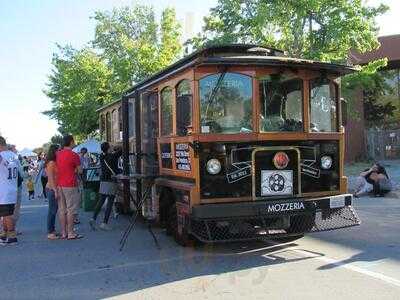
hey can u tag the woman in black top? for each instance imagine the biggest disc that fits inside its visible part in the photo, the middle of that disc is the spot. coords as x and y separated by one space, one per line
378 178
108 186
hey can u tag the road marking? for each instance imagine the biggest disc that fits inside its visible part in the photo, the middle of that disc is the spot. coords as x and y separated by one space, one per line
354 268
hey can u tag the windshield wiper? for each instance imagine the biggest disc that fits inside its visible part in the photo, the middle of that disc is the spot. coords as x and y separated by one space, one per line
214 91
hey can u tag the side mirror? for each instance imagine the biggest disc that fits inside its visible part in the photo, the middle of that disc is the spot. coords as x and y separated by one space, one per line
343 104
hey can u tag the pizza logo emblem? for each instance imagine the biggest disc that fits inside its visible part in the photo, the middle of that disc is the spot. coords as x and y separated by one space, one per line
276 183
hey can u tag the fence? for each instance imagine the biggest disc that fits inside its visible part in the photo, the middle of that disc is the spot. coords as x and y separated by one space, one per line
383 144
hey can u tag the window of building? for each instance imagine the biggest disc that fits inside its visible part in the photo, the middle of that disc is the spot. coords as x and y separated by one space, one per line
183 107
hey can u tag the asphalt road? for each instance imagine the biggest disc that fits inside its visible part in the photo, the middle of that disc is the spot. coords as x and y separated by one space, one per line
358 263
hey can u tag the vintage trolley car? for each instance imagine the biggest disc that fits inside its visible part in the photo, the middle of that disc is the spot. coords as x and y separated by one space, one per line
236 142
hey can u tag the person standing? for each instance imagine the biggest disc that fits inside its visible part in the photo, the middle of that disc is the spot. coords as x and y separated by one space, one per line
68 166
108 186
20 180
42 175
30 187
25 164
52 192
9 166
85 160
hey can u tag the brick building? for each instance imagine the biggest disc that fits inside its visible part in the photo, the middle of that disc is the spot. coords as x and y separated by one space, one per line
355 128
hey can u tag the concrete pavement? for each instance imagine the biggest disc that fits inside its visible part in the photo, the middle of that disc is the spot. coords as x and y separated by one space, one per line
357 263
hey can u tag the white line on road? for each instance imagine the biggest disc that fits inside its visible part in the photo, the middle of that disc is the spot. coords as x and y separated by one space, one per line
354 268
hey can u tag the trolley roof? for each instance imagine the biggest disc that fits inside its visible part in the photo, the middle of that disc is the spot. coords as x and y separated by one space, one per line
237 54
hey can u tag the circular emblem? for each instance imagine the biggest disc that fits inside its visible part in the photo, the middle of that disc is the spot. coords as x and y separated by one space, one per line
276 183
281 160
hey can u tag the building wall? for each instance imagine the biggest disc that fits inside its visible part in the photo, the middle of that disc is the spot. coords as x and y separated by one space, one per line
355 148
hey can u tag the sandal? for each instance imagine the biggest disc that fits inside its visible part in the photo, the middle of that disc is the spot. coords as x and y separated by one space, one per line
75 237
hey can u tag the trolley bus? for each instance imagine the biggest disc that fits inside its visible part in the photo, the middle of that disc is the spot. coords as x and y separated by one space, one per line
235 142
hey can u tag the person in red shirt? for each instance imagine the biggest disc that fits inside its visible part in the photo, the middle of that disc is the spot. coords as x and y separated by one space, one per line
68 166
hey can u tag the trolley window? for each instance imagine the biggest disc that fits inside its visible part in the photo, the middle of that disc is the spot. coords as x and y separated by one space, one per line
183 107
108 127
102 127
281 103
323 106
131 118
166 111
226 103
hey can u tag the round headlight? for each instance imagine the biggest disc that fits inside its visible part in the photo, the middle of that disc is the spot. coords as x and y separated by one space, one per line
326 162
213 166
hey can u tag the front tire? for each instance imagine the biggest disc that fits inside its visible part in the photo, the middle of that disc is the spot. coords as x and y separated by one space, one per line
182 238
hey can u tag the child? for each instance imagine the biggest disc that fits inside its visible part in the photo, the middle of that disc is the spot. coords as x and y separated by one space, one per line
30 187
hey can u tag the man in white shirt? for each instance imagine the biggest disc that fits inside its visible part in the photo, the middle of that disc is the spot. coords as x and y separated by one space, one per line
9 167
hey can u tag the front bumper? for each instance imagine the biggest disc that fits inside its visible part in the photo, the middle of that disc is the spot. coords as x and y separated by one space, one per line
271 218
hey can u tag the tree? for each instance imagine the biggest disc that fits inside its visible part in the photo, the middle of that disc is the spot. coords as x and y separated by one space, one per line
324 30
134 45
78 85
129 45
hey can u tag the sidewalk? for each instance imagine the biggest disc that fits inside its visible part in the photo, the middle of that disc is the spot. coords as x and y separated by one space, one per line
90 268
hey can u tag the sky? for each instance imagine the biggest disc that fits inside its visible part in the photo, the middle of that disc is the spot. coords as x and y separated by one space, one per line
29 31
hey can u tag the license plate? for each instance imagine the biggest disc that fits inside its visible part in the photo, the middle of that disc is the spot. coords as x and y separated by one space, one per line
337 202
275 182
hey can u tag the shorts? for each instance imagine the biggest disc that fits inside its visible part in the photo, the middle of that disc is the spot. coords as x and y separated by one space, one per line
6 210
69 201
108 188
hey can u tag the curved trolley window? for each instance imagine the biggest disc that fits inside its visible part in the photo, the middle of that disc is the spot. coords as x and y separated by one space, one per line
166 111
183 107
108 127
323 106
225 101
281 107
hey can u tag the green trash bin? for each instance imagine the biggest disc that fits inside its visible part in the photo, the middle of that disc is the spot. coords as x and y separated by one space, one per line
89 199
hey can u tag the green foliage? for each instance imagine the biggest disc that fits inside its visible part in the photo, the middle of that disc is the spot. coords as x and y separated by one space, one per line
129 45
316 29
78 85
134 45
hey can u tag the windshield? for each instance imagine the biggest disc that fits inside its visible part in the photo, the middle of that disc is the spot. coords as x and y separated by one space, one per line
281 103
225 101
323 103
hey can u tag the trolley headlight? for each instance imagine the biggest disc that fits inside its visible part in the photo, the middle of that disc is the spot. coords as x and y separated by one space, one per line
326 162
213 166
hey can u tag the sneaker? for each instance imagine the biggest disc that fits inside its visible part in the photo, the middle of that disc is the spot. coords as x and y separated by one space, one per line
92 223
105 227
12 241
